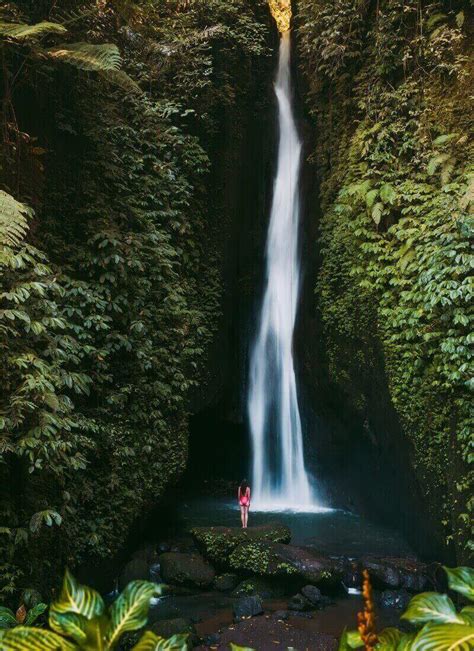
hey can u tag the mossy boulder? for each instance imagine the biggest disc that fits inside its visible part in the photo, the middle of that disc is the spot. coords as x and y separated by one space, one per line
190 570
257 585
277 560
217 543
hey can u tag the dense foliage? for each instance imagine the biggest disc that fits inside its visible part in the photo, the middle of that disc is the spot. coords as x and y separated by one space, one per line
110 256
387 85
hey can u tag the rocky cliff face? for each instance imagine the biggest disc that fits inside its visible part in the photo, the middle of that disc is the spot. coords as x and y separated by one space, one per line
384 330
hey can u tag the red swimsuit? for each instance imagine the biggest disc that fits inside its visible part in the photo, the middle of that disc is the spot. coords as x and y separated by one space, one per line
244 500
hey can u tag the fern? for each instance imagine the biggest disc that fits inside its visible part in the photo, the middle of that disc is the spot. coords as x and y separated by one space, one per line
86 56
23 32
13 220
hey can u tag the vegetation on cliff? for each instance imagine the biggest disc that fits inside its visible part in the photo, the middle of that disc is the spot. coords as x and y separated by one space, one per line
387 85
115 115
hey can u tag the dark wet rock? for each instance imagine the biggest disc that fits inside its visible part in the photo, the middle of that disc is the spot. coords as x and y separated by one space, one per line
226 582
259 586
281 615
146 553
155 573
312 594
137 568
394 599
168 627
277 560
397 573
211 640
301 613
186 570
247 607
299 603
163 547
217 543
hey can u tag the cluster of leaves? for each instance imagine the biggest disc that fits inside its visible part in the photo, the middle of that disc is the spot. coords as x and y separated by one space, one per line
434 614
388 88
111 287
79 620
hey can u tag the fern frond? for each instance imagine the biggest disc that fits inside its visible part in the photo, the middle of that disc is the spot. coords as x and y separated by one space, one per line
23 32
13 220
120 78
86 56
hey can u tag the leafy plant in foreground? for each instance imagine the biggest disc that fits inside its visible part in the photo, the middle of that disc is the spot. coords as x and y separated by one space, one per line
9 619
443 628
79 620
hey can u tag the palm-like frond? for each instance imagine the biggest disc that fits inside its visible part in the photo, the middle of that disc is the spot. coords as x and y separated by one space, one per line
13 220
86 56
23 32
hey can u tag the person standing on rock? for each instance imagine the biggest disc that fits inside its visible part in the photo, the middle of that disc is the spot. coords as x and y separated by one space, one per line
243 496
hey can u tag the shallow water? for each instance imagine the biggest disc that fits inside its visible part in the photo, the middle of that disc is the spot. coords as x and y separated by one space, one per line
333 531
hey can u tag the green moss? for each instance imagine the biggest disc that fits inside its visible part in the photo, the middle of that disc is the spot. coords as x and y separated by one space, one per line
389 91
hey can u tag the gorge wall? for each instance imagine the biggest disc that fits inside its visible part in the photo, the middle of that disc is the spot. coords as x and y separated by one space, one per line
385 320
139 180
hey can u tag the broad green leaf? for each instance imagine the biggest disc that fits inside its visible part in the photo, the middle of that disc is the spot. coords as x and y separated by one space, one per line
431 607
69 624
76 598
350 640
152 642
461 579
388 639
33 614
236 647
377 212
444 637
370 198
28 638
467 615
7 618
129 611
405 643
443 139
387 193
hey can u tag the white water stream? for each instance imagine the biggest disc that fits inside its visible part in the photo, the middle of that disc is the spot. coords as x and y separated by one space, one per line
279 476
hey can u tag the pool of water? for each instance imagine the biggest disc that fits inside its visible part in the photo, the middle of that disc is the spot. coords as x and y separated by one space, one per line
330 531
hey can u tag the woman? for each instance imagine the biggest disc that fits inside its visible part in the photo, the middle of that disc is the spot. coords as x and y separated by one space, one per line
243 496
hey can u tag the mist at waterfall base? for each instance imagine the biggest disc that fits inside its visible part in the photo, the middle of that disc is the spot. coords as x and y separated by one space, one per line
280 480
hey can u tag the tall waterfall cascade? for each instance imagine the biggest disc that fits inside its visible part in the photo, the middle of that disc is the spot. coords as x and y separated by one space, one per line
279 476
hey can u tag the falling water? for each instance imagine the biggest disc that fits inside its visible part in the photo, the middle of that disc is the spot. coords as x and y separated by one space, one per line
279 477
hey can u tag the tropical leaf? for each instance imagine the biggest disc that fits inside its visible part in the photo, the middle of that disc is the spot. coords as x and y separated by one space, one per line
13 220
87 56
151 642
444 637
48 516
350 640
467 614
7 618
435 162
23 32
370 198
387 193
431 607
28 638
377 212
461 579
69 624
388 639
129 611
76 598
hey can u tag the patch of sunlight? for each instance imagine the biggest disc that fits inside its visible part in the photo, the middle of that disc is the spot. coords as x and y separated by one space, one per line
281 12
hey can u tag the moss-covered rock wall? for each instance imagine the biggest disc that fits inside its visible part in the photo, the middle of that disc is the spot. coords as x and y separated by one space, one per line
385 86
116 293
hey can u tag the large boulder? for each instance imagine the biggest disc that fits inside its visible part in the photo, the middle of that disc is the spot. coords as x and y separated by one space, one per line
257 585
189 570
226 582
137 568
217 543
277 560
247 607
397 573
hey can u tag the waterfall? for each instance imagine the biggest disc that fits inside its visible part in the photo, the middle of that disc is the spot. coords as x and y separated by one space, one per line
279 477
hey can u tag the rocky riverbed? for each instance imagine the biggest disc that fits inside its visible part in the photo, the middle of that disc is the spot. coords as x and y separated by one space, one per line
253 587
